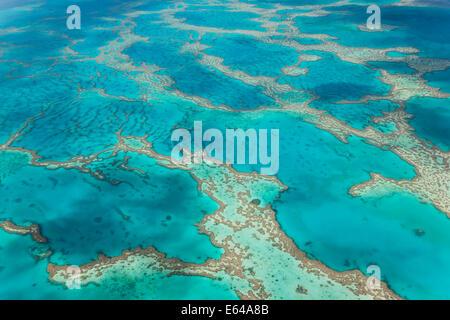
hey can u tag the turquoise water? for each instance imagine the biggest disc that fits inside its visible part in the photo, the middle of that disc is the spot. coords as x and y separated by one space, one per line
385 233
268 59
99 217
213 17
24 280
77 102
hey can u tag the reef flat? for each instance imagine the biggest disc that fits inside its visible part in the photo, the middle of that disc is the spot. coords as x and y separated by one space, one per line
245 226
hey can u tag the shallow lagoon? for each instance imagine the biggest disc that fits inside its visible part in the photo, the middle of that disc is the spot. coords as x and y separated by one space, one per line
92 217
25 279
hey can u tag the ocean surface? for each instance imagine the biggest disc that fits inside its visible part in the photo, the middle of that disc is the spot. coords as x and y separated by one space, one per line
141 68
